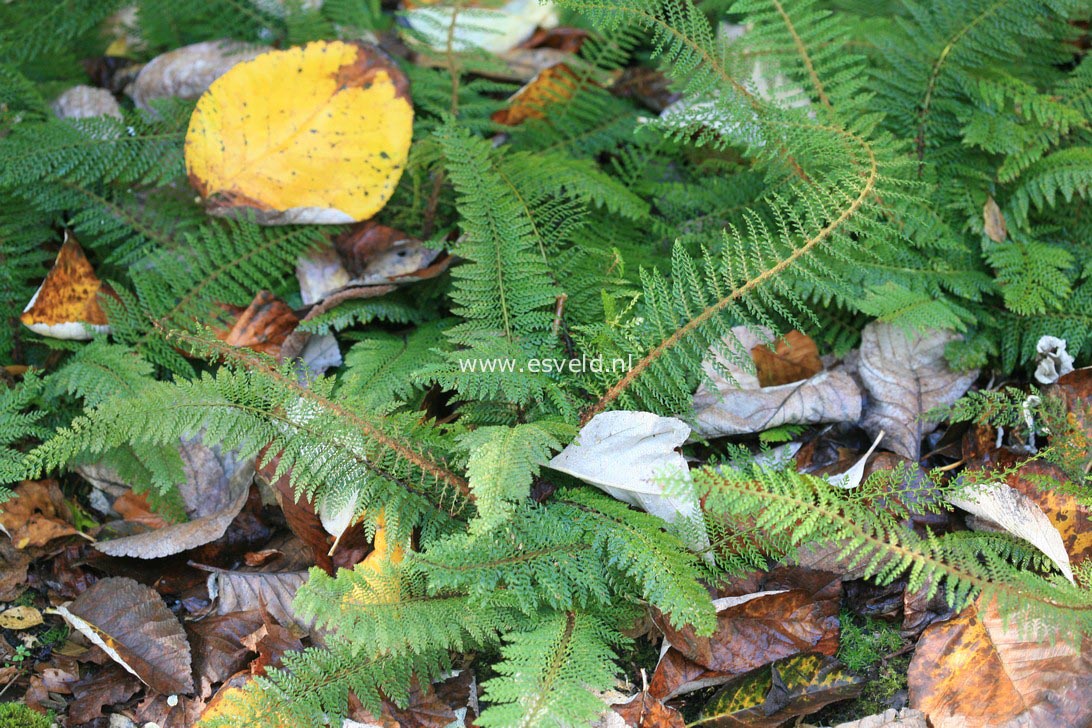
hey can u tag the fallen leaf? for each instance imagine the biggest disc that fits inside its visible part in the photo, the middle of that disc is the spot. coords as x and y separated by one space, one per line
795 357
972 671
105 687
326 145
169 711
218 649
36 515
66 305
263 326
215 490
630 455
737 403
241 591
187 72
19 618
645 711
45 688
993 221
676 675
13 568
491 28
890 718
907 376
134 508
82 102
770 696
1052 360
131 623
1016 514
551 85
270 641
1040 482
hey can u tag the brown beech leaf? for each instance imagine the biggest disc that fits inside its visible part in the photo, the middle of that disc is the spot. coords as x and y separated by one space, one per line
36 515
162 711
218 649
240 591
973 671
263 326
907 376
677 675
738 404
131 623
270 641
104 687
795 357
770 696
66 305
645 711
13 570
215 490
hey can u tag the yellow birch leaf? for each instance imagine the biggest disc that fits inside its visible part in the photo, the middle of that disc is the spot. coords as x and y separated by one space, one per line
312 134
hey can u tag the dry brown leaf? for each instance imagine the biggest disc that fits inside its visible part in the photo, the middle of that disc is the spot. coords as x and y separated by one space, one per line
66 305
218 649
645 711
890 718
326 144
907 376
107 686
36 515
240 591
130 622
215 490
13 570
738 404
161 710
187 72
263 326
993 221
972 672
551 85
795 357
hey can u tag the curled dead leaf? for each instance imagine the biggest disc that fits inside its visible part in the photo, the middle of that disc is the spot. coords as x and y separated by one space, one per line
66 305
187 72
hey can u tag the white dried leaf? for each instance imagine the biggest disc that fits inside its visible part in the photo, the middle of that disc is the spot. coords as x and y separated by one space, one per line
630 455
496 30
82 102
1018 515
187 72
1052 360
907 376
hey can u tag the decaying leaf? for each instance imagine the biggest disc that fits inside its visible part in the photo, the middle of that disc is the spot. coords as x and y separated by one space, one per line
326 144
1041 482
19 618
973 671
82 102
770 696
550 85
645 711
630 455
187 72
241 591
13 570
907 376
130 622
218 649
215 490
795 357
1017 514
36 515
890 718
494 29
993 221
66 305
741 405
104 687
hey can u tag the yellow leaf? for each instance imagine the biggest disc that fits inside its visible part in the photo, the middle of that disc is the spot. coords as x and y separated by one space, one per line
317 134
19 618
66 305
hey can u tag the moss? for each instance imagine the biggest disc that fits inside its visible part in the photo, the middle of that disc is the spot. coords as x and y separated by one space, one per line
865 641
17 715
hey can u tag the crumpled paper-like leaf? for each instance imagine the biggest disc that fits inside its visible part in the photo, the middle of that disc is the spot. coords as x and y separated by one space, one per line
326 143
907 376
743 406
240 591
216 489
188 71
1017 514
132 624
494 29
973 672
630 455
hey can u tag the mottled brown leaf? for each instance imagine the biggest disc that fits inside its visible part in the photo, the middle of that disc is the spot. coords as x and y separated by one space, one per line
795 357
36 515
218 649
993 221
972 671
645 711
102 688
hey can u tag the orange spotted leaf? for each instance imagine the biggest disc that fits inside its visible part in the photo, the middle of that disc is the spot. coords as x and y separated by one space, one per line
312 134
551 85
66 305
